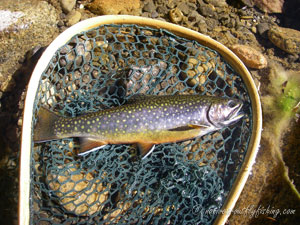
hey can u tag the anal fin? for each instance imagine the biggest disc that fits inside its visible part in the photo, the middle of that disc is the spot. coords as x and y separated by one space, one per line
88 145
145 148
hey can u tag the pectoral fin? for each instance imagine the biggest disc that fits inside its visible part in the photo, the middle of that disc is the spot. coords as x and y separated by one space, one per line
88 145
188 127
195 126
145 148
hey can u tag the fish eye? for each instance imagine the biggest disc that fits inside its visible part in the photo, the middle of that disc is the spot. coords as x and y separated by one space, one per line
232 103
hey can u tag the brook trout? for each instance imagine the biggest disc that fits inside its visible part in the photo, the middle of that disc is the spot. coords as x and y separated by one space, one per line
144 120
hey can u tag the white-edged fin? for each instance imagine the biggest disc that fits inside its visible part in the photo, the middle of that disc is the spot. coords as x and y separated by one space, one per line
150 151
91 150
88 145
145 148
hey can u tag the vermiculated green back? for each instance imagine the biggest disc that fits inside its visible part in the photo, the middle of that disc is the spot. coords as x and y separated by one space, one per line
182 183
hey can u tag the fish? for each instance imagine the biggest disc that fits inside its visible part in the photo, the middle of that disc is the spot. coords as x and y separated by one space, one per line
145 120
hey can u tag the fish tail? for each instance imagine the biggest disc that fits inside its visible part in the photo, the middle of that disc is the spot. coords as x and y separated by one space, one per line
44 129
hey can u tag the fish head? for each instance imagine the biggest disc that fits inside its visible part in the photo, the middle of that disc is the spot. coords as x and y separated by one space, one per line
224 112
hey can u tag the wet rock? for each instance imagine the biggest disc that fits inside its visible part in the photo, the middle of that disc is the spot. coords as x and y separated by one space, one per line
202 27
227 21
112 7
30 24
73 17
262 29
285 38
249 3
274 6
154 14
60 23
162 10
184 8
194 16
8 18
187 7
149 7
7 82
211 24
250 56
176 15
207 11
69 184
67 5
217 3
292 58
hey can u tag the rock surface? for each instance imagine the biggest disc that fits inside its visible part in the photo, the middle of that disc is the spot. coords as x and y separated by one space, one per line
250 56
112 7
76 195
270 6
31 24
73 17
67 5
286 39
219 3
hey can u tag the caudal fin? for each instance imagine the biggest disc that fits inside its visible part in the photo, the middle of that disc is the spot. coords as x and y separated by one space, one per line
44 128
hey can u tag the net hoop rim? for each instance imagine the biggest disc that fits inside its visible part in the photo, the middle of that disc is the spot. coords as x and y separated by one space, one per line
64 37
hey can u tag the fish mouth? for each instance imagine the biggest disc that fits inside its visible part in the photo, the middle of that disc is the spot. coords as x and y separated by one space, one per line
236 114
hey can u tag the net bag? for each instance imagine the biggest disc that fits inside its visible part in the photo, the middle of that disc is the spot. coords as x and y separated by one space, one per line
103 66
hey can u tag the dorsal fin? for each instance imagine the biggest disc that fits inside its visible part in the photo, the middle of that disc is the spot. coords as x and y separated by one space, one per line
136 98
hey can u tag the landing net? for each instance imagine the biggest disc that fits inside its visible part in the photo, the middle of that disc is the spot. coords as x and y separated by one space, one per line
178 183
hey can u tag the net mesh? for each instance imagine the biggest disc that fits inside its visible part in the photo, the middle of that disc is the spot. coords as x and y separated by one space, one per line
178 183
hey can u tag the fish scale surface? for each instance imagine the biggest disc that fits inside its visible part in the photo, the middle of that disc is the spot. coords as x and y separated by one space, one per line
145 115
